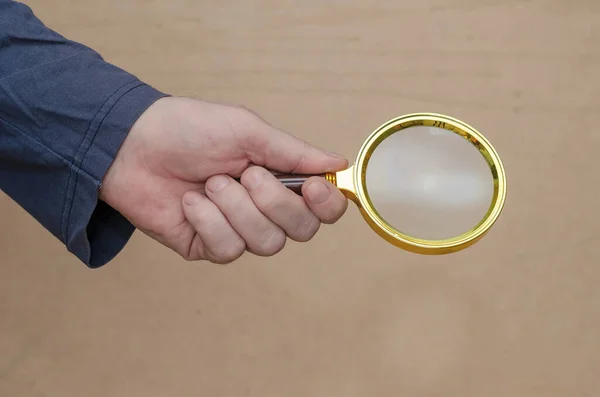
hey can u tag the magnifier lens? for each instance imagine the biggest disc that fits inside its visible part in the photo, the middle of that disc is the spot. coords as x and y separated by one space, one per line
429 183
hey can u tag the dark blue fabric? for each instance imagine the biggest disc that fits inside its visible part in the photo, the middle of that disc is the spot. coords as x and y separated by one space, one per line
64 113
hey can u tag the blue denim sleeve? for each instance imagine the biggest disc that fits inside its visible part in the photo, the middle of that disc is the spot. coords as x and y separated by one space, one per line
64 112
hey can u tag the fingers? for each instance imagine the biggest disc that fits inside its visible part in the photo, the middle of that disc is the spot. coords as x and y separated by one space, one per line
274 149
325 200
219 242
286 153
262 236
284 207
258 214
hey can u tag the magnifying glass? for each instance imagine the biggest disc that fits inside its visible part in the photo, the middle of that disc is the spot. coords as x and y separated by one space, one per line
425 182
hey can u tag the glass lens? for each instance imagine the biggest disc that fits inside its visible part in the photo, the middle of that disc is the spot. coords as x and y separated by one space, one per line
429 183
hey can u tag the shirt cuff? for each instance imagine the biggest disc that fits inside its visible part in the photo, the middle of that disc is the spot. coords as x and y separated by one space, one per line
95 232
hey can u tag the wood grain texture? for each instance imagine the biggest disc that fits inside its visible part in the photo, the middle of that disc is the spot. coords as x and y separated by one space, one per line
346 314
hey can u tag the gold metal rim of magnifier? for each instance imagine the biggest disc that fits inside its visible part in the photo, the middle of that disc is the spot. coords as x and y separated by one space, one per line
352 183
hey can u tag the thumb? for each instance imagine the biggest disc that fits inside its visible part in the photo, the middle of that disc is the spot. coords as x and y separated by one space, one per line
280 151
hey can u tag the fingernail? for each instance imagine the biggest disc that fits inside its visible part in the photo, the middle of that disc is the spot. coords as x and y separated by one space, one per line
317 192
191 198
217 183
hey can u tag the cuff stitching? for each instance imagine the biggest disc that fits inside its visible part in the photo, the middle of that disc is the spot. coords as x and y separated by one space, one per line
84 147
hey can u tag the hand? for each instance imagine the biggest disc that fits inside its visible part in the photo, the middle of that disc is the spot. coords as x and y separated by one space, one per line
173 178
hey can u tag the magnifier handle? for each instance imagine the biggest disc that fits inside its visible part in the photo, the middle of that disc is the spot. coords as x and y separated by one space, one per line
294 182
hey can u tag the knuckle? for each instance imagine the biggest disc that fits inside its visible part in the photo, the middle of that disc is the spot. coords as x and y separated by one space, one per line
242 114
300 160
228 253
307 229
256 145
269 204
272 244
193 253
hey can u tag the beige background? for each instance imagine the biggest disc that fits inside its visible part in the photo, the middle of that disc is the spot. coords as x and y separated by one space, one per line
346 314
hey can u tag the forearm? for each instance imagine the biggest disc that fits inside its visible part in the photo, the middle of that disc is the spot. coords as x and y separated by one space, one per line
64 113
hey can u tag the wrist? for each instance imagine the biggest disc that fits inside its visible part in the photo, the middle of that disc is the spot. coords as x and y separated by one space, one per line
119 127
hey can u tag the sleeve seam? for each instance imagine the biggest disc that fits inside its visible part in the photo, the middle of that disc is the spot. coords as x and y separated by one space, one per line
86 144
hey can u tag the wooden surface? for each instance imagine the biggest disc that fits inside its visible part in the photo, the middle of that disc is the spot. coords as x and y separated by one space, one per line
346 314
